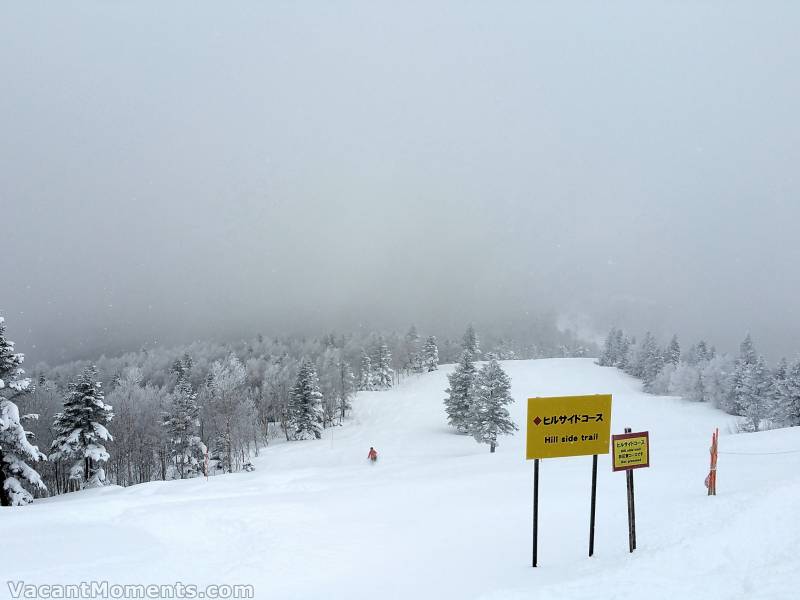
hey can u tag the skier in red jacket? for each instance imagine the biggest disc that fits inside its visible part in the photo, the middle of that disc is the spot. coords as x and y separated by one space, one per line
373 454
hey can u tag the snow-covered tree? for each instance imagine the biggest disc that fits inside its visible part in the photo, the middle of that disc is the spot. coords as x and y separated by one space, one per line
412 360
717 374
345 388
687 381
616 350
489 416
81 430
607 356
649 360
790 402
754 395
747 359
228 378
181 422
460 394
470 341
382 374
431 354
15 448
305 407
673 353
365 373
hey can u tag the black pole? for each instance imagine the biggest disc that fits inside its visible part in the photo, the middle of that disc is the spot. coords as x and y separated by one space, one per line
535 510
631 507
633 513
629 484
594 503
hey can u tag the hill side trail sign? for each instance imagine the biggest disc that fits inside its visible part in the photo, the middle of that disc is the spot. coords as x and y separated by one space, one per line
631 451
567 426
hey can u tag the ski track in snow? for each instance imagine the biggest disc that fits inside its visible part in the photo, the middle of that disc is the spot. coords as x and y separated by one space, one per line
441 517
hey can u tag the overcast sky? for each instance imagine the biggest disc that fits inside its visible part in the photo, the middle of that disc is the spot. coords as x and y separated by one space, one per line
174 171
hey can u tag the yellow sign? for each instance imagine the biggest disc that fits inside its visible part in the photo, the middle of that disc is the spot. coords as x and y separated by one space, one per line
568 426
631 450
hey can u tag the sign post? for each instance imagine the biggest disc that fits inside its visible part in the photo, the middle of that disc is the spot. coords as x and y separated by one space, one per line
567 426
631 451
535 511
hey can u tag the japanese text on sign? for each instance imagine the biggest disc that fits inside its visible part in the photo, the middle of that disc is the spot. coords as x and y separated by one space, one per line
568 426
631 450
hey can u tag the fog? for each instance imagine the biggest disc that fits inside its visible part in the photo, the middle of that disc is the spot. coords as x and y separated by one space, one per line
177 171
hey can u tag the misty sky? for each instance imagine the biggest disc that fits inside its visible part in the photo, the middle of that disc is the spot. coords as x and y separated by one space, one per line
174 171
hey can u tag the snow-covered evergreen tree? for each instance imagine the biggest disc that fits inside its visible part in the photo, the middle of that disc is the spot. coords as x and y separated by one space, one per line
673 353
747 359
470 341
382 375
346 388
649 360
754 394
489 416
15 448
80 430
365 373
412 361
608 358
460 394
181 422
431 354
305 407
790 402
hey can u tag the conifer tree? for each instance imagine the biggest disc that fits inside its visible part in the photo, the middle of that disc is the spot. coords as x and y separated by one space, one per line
431 354
608 358
346 388
754 393
365 373
745 363
383 373
305 407
649 360
470 341
489 416
15 448
412 361
80 430
460 394
673 354
181 423
791 396
624 346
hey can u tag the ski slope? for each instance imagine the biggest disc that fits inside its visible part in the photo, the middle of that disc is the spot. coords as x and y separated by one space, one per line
441 517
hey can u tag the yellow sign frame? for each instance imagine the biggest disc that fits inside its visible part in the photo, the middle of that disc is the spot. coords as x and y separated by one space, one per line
562 426
630 451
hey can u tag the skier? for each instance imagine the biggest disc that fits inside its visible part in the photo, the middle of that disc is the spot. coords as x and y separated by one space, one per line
373 455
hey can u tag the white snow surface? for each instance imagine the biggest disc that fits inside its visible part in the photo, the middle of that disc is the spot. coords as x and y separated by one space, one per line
440 517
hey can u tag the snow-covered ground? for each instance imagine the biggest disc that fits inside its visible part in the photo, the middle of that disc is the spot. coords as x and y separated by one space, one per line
440 517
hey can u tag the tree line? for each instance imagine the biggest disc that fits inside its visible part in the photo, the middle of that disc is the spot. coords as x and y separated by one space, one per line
165 413
743 385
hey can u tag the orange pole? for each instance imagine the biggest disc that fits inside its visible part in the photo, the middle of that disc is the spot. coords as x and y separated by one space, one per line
712 474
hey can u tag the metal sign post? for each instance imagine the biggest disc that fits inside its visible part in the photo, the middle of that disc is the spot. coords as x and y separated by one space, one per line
631 451
567 426
535 511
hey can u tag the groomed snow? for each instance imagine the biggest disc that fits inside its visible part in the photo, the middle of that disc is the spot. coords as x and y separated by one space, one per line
440 517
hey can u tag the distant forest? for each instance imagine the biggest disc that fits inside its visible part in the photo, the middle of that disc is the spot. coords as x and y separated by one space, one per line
165 413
